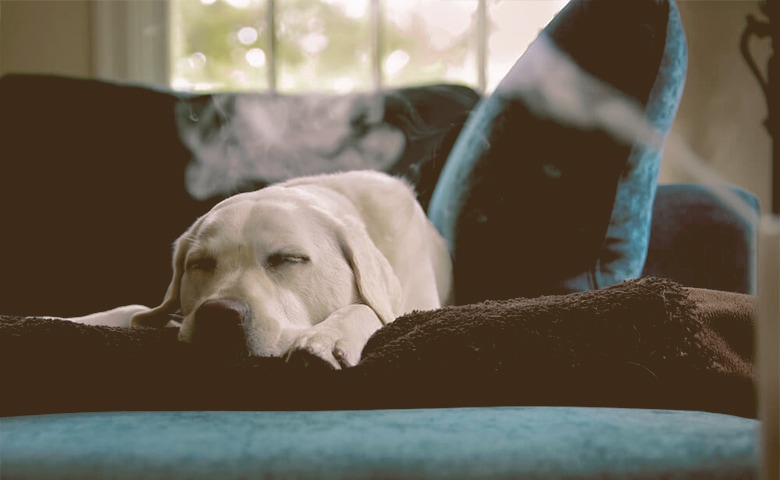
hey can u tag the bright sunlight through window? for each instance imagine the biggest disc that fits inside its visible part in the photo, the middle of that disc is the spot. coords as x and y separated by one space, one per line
344 45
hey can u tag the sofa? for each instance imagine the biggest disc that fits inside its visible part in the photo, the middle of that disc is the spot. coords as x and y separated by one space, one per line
641 369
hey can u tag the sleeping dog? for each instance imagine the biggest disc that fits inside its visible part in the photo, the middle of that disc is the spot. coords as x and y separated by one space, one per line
315 264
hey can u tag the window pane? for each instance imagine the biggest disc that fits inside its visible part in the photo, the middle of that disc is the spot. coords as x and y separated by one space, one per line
329 45
514 24
219 44
324 45
429 41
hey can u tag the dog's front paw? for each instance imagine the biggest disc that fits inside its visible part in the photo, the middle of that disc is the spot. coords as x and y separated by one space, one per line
326 344
340 338
304 358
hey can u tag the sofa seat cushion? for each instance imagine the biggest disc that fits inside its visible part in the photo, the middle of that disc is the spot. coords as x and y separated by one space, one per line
530 442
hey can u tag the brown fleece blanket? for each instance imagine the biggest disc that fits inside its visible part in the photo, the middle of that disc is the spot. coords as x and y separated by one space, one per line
647 343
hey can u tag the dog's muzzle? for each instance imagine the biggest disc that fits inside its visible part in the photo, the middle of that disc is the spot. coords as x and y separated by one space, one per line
218 326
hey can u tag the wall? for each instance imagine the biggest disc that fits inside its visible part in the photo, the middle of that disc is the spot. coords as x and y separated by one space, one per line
720 116
45 36
723 108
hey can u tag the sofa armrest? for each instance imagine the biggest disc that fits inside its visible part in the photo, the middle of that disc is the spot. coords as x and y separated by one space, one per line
698 241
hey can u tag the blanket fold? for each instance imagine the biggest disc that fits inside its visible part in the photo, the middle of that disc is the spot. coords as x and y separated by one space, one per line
647 343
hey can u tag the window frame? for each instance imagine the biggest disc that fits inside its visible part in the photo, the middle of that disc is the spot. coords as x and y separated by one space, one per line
131 41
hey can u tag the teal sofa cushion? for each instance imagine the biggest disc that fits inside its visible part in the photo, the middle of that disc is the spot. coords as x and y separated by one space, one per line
485 443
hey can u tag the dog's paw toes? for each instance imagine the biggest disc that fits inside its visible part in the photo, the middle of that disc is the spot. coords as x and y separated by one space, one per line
302 357
332 348
346 356
306 348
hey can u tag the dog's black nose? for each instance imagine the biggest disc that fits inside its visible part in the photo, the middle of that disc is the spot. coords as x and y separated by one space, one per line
219 326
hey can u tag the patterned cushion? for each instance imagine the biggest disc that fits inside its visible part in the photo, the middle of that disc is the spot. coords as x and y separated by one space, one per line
540 195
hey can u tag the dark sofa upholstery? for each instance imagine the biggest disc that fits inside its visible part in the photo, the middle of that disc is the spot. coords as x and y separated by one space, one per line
91 168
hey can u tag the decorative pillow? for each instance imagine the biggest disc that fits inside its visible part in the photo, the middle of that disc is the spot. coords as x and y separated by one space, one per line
540 193
244 141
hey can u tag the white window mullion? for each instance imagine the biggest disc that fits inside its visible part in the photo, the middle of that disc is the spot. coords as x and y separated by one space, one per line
130 41
376 43
271 55
482 45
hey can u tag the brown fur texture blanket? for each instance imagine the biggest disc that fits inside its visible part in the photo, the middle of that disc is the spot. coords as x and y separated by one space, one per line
647 343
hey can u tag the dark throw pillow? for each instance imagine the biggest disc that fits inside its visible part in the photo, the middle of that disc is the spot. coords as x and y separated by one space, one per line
533 203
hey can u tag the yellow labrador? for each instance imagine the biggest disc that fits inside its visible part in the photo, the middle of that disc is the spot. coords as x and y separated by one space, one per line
316 264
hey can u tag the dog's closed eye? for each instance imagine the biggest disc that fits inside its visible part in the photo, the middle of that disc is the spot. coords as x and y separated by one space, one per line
202 264
280 259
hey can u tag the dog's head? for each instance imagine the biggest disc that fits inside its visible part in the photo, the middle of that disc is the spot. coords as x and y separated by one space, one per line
262 266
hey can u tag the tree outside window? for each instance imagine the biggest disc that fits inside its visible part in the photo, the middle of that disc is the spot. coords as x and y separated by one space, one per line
347 45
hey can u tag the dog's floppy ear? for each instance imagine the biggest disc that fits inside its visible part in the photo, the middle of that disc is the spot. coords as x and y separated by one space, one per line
161 315
376 281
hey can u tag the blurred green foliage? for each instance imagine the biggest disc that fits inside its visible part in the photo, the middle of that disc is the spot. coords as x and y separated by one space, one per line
322 45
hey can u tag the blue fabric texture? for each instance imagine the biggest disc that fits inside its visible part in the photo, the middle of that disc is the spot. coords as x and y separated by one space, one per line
628 235
531 205
510 442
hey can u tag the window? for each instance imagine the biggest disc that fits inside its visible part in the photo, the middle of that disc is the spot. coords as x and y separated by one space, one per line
346 45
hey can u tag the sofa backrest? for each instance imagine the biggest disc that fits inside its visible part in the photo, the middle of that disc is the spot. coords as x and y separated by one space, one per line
97 179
